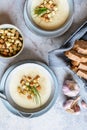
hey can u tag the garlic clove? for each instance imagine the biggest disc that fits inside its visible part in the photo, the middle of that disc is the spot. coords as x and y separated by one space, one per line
70 88
84 104
72 106
67 104
70 110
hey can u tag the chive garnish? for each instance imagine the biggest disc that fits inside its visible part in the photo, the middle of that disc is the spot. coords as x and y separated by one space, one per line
40 10
36 93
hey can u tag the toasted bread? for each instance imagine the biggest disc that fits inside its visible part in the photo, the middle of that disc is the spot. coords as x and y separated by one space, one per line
75 63
83 66
75 56
74 68
82 74
81 47
78 57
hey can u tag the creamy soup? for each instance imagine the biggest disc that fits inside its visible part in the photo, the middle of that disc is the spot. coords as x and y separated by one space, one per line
45 81
49 14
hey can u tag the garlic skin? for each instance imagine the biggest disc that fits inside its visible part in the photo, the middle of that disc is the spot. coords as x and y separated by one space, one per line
84 104
71 106
67 104
70 88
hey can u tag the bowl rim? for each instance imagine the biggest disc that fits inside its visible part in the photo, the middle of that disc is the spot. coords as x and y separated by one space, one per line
3 26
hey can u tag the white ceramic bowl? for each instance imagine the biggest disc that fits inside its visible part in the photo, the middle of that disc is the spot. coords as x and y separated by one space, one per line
5 93
54 33
8 26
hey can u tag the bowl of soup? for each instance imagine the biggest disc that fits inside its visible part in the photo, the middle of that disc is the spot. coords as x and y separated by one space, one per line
30 87
49 18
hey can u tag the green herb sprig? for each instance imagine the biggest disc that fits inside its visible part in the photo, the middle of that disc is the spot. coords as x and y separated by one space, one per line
36 93
40 10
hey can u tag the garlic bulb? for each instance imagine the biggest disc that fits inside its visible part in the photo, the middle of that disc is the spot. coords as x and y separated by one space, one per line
70 88
72 106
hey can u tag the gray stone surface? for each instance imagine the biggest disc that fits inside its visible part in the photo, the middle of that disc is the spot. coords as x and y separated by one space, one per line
11 11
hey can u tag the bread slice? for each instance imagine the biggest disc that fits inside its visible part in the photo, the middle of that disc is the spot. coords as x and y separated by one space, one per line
83 66
75 56
74 68
82 74
75 63
81 47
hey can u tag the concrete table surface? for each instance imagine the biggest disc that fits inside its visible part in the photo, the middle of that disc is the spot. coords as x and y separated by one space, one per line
11 11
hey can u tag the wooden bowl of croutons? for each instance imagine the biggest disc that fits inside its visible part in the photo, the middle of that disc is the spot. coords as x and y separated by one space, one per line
11 41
